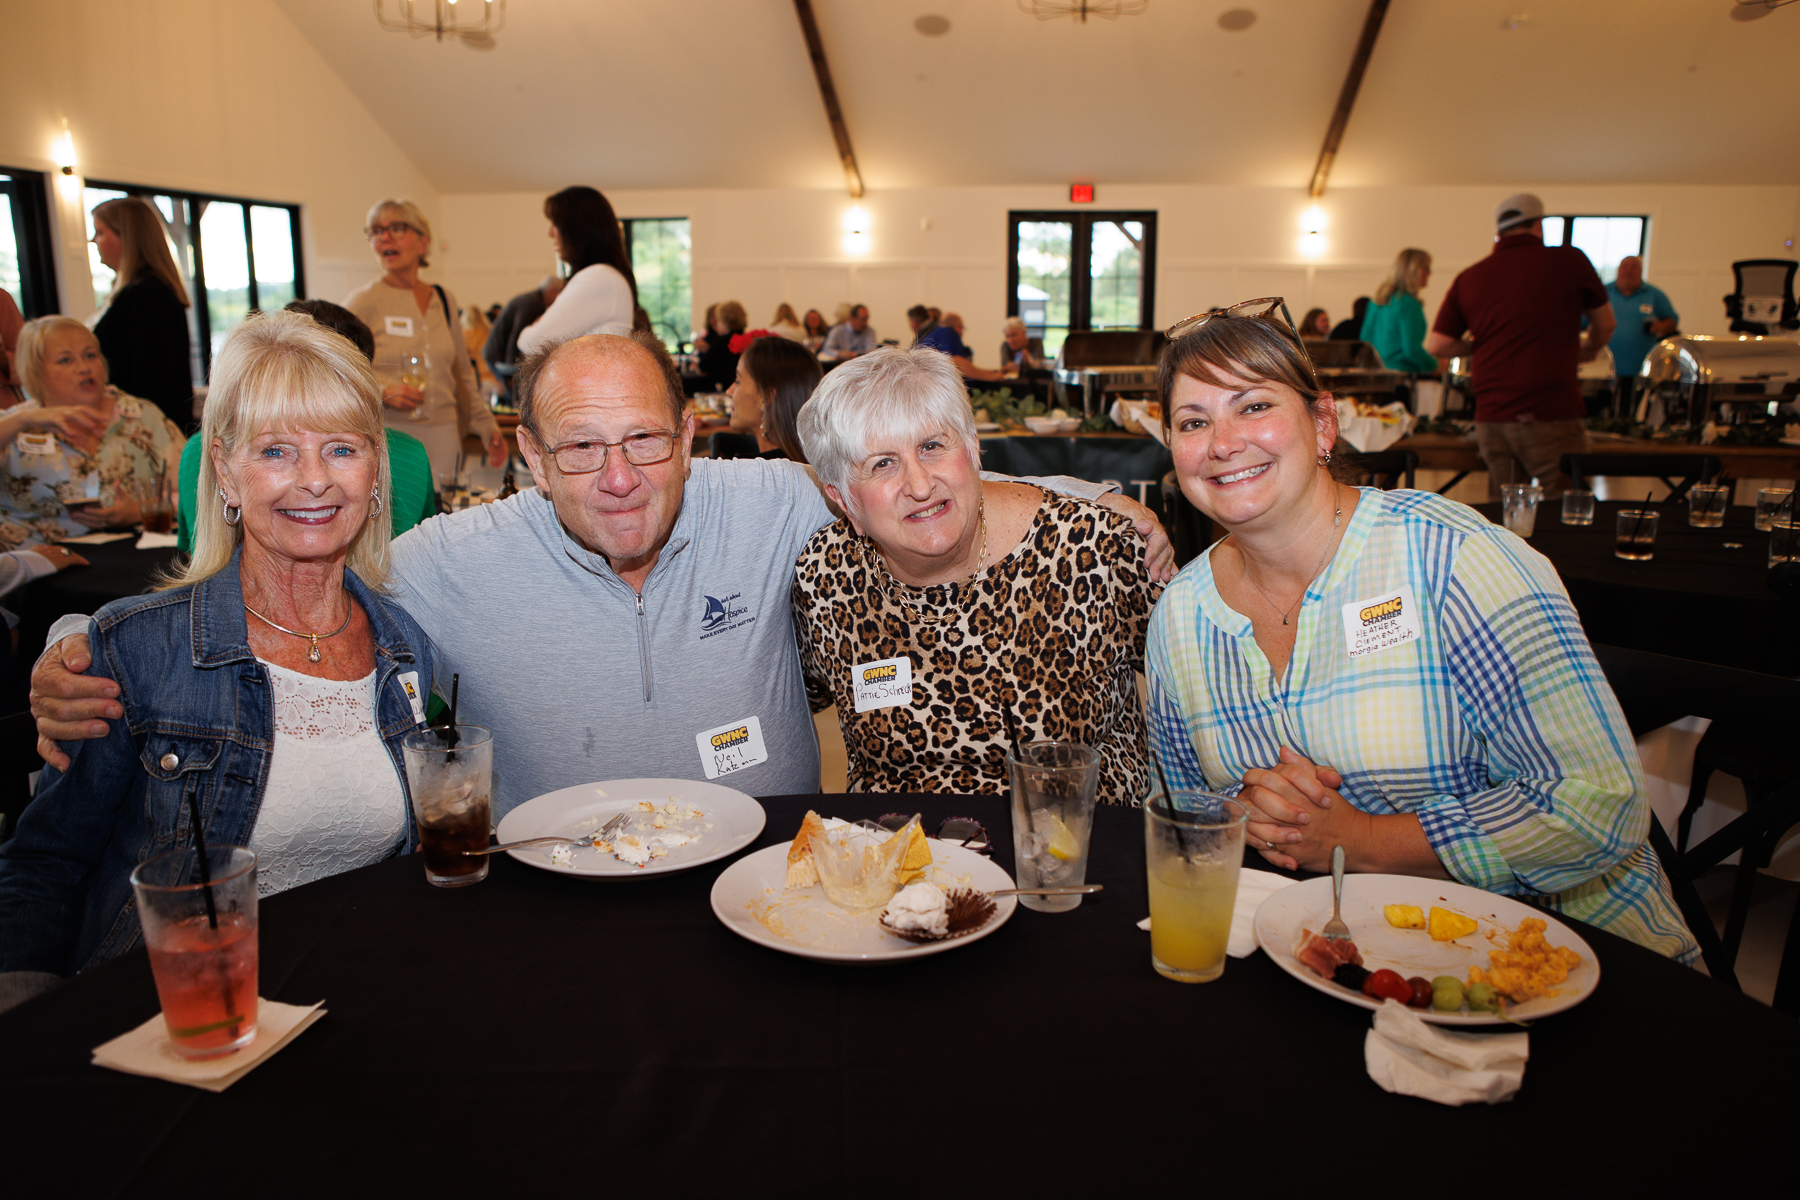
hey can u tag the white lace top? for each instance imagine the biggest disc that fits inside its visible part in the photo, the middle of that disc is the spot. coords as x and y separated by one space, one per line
334 800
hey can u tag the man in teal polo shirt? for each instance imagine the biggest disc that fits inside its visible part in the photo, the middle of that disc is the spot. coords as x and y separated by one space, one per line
1645 318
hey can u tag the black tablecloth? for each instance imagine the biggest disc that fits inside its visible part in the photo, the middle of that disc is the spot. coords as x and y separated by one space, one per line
1121 460
537 1030
1696 599
114 570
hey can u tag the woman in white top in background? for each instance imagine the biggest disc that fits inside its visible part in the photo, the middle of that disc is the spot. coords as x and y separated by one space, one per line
414 319
787 323
602 292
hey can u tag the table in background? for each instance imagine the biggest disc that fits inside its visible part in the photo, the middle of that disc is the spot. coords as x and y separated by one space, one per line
115 570
1448 452
1134 461
1695 599
536 1030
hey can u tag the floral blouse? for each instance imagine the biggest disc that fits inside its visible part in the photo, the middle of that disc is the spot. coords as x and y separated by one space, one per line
40 474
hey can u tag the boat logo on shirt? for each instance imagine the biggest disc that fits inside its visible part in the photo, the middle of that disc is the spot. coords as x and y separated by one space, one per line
1381 622
723 615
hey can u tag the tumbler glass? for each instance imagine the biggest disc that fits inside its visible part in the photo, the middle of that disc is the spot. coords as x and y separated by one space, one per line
1192 855
1706 505
1053 786
1578 507
451 787
1518 506
1636 535
1770 501
202 943
1784 540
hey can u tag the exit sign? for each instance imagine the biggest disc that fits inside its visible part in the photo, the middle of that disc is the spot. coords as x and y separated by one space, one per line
1081 193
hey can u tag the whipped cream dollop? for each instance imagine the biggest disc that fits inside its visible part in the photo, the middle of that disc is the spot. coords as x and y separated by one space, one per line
918 906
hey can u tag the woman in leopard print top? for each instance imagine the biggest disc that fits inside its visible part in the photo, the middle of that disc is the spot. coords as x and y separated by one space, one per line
982 595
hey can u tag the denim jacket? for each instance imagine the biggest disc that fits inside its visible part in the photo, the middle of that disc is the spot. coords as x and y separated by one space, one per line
199 720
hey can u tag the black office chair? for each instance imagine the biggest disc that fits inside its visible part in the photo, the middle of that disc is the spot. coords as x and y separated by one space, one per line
1385 469
1692 468
726 444
1190 530
1751 738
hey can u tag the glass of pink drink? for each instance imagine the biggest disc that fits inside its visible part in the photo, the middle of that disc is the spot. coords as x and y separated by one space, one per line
202 955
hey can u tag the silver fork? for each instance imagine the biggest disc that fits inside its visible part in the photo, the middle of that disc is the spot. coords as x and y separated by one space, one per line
584 840
1335 930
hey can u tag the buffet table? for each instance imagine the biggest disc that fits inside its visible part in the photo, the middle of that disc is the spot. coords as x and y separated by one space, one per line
536 1031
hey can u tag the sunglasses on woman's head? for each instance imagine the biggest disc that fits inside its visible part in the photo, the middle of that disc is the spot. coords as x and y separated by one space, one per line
1272 309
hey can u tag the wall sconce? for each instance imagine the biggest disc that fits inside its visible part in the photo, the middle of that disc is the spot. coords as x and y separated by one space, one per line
1312 232
64 153
856 230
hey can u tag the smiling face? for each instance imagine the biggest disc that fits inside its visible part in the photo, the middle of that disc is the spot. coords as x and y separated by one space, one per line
608 390
108 244
74 373
1631 274
1247 453
1015 338
919 502
305 494
399 246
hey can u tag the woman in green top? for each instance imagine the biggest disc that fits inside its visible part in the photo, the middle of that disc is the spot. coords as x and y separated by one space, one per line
1395 324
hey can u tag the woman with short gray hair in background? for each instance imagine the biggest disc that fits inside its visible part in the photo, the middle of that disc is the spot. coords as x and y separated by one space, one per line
997 595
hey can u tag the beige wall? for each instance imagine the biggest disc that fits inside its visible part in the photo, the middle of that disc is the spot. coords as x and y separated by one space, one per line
947 246
218 96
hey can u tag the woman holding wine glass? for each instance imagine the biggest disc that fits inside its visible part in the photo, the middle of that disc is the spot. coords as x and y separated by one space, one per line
428 387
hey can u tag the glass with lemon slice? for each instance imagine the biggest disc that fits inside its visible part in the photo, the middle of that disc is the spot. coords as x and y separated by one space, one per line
1052 813
1193 854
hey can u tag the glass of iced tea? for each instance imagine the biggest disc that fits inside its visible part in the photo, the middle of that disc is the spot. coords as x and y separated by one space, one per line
1193 851
451 789
202 942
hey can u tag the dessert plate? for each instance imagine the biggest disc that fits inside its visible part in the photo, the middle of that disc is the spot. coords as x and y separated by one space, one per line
750 898
728 821
1412 951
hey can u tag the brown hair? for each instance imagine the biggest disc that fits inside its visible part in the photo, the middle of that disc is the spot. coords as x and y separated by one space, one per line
785 373
1308 326
590 232
1247 348
143 244
734 316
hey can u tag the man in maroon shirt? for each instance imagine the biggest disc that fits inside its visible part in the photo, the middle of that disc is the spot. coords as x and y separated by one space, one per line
1521 309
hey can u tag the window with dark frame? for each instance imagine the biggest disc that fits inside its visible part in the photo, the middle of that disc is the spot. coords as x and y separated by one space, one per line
251 246
1072 271
1604 238
661 253
27 255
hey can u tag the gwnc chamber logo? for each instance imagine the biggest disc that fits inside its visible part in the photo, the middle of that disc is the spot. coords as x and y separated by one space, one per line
725 614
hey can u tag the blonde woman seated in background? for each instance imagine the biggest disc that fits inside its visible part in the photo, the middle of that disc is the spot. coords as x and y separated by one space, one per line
786 323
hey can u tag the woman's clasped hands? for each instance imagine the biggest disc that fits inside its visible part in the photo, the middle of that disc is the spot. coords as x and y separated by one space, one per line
1297 813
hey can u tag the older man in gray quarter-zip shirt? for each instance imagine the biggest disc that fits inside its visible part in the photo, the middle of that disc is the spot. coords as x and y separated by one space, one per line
630 616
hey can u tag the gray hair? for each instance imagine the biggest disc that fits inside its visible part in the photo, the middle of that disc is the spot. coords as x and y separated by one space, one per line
409 212
1013 323
885 396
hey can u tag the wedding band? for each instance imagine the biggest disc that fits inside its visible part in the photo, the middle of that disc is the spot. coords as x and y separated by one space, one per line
1271 844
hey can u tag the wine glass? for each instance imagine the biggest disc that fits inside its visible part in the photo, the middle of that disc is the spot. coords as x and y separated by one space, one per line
415 372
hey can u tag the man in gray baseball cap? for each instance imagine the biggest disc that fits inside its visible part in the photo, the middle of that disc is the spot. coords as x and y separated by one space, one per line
1518 312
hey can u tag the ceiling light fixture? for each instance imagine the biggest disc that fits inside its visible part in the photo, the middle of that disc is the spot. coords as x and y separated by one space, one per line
932 25
1081 10
1236 20
475 23
64 153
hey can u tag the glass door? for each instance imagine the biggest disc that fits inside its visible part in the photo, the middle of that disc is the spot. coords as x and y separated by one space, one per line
1043 260
1069 272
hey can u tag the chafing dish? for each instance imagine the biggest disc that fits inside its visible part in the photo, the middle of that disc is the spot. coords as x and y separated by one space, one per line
1097 366
1724 380
1351 369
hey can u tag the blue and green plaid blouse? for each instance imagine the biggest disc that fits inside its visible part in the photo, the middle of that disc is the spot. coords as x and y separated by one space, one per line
1493 724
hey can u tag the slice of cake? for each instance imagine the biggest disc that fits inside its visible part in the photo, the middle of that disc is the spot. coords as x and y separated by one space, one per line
801 873
917 855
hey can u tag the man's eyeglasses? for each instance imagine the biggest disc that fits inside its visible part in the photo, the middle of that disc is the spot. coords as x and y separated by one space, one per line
1264 308
589 455
398 228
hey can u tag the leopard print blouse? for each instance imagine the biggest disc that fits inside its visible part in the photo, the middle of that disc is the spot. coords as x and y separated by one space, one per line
1056 628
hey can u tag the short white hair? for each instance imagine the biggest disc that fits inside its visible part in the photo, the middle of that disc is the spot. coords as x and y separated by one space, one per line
887 396
1013 323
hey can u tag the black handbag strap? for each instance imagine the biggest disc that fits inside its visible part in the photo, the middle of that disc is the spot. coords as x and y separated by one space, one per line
445 301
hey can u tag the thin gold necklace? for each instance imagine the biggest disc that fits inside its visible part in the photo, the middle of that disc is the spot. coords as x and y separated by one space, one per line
312 655
1244 571
893 585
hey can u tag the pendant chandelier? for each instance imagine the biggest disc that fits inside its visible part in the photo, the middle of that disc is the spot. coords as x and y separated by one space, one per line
475 22
1081 10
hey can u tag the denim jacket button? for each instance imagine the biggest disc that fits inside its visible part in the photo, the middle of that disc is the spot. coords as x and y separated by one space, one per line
170 762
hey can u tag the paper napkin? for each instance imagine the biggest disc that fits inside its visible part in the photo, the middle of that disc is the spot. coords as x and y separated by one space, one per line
146 1050
1408 1056
1253 888
156 541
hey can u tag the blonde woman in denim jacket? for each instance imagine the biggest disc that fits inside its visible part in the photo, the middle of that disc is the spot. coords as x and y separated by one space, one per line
269 680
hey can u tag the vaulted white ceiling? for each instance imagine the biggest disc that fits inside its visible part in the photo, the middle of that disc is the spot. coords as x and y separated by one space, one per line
719 93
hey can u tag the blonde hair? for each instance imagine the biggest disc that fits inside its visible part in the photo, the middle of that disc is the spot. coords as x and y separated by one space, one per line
144 246
1409 270
29 356
285 370
784 313
412 213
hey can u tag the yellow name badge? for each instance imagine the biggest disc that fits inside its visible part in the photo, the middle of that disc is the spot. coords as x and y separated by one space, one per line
731 747
884 684
397 326
36 443
1380 622
409 683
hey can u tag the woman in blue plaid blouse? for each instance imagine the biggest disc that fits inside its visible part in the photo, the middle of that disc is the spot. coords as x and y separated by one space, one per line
1388 671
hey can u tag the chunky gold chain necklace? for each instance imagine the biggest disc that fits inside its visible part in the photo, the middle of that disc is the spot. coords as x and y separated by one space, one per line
893 585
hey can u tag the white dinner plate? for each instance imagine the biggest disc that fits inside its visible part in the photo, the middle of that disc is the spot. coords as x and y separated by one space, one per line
735 821
987 427
750 897
1411 951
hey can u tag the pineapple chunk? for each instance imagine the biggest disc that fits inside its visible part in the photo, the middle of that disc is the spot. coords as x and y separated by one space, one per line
1404 916
1447 926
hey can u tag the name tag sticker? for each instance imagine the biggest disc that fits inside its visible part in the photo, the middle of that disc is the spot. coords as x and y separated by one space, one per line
409 683
884 684
731 747
1381 622
397 326
36 443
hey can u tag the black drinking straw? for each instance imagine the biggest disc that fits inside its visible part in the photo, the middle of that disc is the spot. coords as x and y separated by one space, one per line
212 911
450 732
1642 513
1012 730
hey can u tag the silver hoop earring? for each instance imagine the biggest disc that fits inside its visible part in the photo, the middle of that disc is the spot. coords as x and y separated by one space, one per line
375 508
1326 461
232 515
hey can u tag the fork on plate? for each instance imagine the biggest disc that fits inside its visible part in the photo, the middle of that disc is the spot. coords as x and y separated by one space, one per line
580 841
1335 930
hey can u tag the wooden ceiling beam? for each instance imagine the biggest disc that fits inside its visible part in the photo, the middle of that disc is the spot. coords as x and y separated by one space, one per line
815 49
1340 116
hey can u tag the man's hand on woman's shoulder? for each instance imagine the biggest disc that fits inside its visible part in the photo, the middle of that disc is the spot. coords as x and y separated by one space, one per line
70 706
